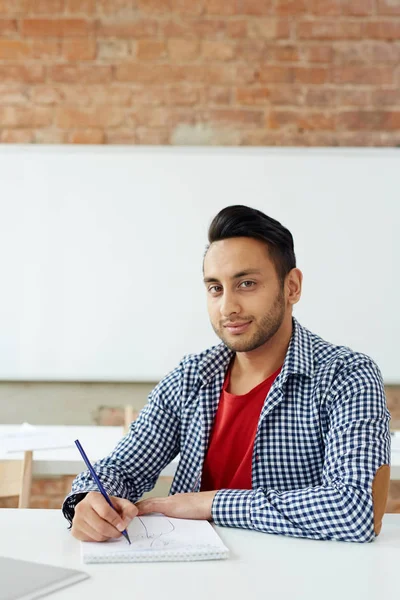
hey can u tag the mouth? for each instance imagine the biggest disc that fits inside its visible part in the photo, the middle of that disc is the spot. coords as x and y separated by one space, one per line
237 328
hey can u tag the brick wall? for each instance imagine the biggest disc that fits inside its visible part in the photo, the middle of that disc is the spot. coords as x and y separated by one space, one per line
253 72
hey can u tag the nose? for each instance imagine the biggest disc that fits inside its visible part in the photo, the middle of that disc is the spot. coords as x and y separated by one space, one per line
229 305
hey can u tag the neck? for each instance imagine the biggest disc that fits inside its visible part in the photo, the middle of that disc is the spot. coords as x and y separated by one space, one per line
266 359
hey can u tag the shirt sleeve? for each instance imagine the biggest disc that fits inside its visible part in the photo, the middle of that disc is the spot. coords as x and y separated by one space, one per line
134 465
357 445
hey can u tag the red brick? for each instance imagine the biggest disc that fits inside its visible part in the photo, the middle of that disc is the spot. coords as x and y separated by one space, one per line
14 7
121 136
149 95
29 74
56 27
286 53
317 53
235 117
198 28
16 136
152 137
46 94
187 6
290 95
363 75
330 30
80 73
140 28
220 7
116 8
151 49
382 30
347 54
79 49
13 93
291 7
358 8
320 96
205 28
19 116
237 28
254 50
369 120
388 7
315 75
269 29
45 7
87 136
84 118
182 50
252 96
50 486
383 52
281 118
153 6
182 95
352 97
218 95
84 7
113 49
221 74
214 50
45 48
256 7
271 74
8 26
50 136
14 49
325 7
316 121
386 97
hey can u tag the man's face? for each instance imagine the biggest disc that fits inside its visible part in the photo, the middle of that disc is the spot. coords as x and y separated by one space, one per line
246 302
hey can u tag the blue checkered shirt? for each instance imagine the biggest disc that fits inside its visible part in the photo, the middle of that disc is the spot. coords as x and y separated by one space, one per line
322 434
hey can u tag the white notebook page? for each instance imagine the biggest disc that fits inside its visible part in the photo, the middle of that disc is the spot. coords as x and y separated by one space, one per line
160 538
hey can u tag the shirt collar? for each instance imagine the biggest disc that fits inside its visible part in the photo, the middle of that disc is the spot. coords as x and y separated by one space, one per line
299 357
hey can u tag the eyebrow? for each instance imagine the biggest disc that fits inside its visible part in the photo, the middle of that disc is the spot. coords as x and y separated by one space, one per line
235 276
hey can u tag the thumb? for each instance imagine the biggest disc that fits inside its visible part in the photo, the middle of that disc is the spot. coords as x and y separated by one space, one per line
125 508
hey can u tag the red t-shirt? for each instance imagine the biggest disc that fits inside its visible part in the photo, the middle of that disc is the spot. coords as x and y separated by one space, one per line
227 464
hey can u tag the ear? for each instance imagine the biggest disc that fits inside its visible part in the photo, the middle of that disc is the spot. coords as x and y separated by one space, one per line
294 280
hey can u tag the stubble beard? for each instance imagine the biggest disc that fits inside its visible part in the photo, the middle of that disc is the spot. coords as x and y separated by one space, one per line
269 325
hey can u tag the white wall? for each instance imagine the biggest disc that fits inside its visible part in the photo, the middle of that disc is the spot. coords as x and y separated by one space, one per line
101 251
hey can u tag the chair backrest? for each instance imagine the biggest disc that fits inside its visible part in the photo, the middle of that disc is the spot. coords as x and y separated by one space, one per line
16 479
129 415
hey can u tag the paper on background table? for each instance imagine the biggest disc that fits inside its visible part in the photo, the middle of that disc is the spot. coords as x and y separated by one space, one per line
158 538
29 437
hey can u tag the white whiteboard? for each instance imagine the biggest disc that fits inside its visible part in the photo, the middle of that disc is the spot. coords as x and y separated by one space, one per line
101 251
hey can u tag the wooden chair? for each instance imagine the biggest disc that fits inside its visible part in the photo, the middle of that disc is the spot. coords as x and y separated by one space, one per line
16 479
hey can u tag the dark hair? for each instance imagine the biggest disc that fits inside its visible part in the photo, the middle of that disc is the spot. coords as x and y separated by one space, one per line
243 221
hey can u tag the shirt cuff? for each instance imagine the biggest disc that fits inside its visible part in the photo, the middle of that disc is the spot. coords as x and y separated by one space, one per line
232 508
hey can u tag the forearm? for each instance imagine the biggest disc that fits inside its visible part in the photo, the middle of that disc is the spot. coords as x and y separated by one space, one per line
323 513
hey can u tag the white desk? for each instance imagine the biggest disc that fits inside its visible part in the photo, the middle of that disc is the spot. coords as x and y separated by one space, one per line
261 565
98 441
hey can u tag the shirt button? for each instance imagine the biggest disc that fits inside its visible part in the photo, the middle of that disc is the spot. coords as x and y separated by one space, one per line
257 457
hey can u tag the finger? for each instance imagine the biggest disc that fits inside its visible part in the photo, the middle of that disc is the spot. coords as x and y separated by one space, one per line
106 513
100 525
86 533
126 509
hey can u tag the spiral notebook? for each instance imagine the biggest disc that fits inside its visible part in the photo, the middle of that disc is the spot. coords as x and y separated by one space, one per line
159 538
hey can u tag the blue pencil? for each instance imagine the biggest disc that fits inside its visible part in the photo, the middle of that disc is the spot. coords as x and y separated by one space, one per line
97 481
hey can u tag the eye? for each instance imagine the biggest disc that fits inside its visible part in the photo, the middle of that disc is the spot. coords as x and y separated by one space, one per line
214 289
247 284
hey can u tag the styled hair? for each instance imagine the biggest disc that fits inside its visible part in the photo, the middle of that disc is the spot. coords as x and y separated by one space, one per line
243 221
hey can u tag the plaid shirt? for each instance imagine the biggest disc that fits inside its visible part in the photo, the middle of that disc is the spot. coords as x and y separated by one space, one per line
322 434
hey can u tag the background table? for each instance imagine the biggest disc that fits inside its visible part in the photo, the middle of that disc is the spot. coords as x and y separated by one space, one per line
98 441
261 565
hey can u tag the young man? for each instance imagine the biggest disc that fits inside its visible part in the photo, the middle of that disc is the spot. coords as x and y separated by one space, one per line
277 429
